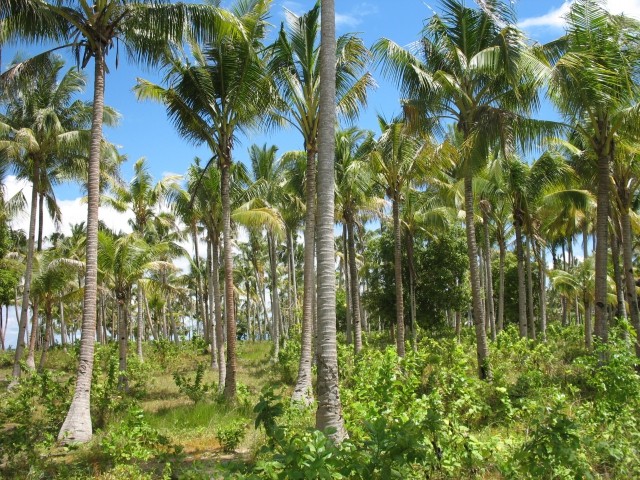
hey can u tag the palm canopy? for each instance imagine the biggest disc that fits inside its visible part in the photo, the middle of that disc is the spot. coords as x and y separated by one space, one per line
225 90
294 62
472 67
141 28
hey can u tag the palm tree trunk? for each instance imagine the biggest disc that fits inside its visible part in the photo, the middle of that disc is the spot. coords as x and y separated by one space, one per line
47 337
31 362
539 254
140 335
77 424
229 310
293 299
302 392
522 292
217 310
275 298
484 369
602 233
531 320
621 311
503 254
489 282
123 338
627 255
329 413
26 291
347 284
355 289
397 268
412 291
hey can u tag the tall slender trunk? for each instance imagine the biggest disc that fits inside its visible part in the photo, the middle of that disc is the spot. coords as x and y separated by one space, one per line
275 298
412 291
214 310
302 391
486 208
531 319
123 337
47 336
522 292
503 253
347 284
77 424
627 255
329 413
355 289
484 369
602 233
33 337
229 304
26 292
397 268
140 333
293 300
618 275
539 253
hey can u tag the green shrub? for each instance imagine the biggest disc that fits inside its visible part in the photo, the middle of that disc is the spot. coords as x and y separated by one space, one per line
196 389
133 439
230 436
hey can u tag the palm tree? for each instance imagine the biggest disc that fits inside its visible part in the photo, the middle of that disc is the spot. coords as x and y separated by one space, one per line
91 30
329 413
143 198
474 73
42 136
295 66
593 84
353 197
53 277
397 160
226 90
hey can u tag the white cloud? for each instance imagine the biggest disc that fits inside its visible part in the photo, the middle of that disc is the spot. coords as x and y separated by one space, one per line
556 17
350 19
73 212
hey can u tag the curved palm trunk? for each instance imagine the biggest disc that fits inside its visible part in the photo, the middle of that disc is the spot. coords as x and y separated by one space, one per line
627 255
26 292
355 289
503 254
229 305
484 370
531 320
303 389
522 292
77 424
602 234
33 337
489 273
397 268
275 298
329 413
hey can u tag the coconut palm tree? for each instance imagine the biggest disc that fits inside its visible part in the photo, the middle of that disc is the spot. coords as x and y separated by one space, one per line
398 159
353 197
143 198
224 91
294 62
329 413
54 277
143 29
476 69
43 137
593 84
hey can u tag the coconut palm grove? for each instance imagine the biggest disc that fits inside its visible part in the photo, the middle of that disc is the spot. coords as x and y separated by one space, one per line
451 295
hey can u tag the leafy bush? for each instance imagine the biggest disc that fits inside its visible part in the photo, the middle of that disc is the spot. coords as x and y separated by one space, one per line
196 389
31 416
230 436
133 439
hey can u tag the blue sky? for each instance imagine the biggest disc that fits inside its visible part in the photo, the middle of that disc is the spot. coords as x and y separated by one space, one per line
145 130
